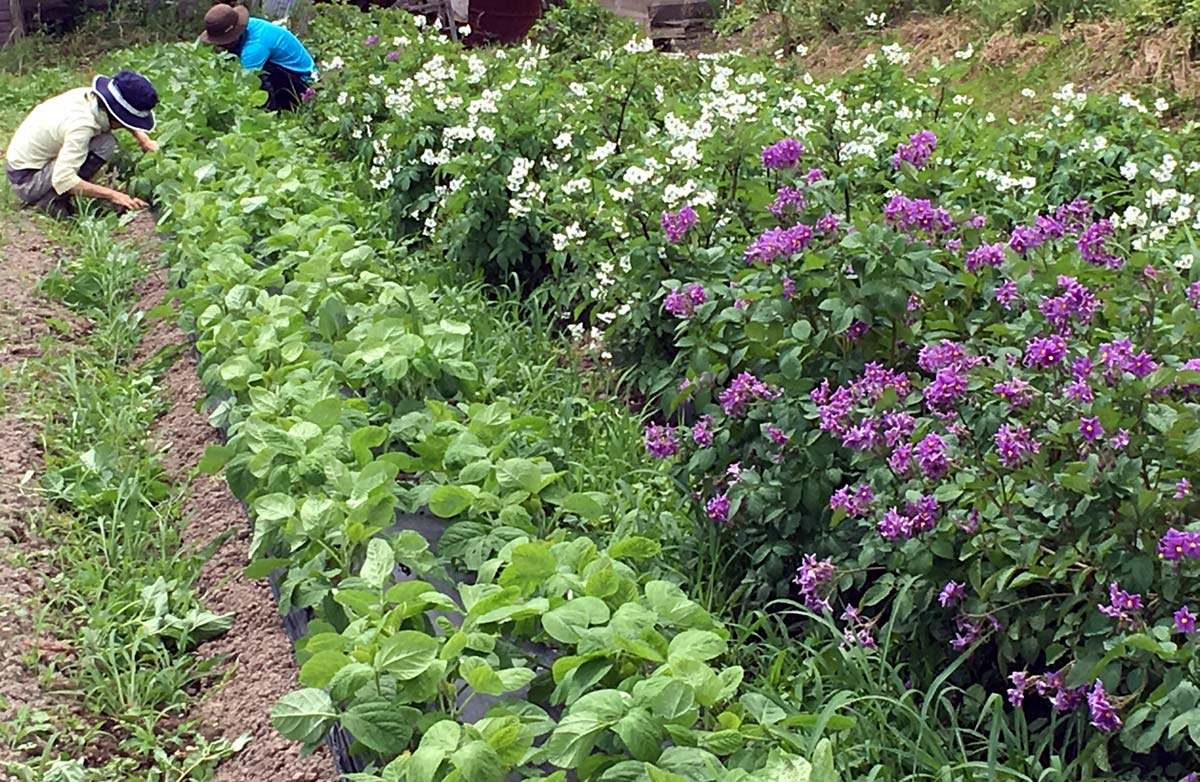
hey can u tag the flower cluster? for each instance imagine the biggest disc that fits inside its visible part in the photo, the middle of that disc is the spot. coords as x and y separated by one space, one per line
1177 544
859 631
969 629
1015 445
810 577
917 216
783 154
855 501
1093 247
1118 357
918 517
788 199
1076 303
676 224
836 407
1103 715
985 255
917 151
779 243
682 304
1122 606
744 389
702 432
661 442
717 508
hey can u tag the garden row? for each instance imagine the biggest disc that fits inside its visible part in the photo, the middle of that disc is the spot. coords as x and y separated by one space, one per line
917 361
941 360
110 633
351 385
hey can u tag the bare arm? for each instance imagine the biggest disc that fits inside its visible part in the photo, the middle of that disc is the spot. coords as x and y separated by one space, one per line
145 142
115 197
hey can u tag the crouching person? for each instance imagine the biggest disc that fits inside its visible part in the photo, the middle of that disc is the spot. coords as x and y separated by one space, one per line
64 142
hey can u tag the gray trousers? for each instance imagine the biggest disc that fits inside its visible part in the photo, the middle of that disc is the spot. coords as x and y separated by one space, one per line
32 186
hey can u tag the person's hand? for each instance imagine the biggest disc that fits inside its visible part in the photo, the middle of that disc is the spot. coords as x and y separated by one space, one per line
127 202
149 145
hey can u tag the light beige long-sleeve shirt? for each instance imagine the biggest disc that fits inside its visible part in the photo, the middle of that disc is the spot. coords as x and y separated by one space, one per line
59 130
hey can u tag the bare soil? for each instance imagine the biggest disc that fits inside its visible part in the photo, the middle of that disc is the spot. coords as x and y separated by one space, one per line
262 666
25 318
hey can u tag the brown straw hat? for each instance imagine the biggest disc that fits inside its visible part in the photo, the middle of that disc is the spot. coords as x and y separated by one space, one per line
223 24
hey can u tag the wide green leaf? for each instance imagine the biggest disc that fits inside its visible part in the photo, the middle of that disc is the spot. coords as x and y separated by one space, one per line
407 654
448 501
304 715
379 563
381 726
319 670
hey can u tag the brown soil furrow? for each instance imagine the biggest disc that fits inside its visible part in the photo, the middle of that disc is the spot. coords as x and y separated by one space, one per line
25 317
262 667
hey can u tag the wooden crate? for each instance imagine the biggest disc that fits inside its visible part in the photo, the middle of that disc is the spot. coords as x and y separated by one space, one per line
666 19
679 19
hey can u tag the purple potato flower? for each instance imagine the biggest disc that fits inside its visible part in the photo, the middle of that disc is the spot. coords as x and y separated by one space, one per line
676 224
1103 716
661 441
783 154
1185 621
952 594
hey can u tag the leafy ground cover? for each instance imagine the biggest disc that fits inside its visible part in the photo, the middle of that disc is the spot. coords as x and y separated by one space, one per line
114 624
913 499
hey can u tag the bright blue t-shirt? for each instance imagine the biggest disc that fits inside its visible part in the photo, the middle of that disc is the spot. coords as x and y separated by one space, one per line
263 42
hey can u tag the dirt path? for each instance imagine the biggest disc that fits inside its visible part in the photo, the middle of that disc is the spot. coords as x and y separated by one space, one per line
263 666
24 319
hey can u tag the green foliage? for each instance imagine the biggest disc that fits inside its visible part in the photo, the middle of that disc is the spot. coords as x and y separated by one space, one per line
118 587
358 373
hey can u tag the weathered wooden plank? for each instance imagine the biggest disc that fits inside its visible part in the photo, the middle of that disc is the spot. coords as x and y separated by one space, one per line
16 22
679 10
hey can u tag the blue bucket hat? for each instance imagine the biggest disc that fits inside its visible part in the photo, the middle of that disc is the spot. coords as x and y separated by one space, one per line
129 97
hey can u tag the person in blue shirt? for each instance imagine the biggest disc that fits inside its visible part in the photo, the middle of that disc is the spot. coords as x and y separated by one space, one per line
287 69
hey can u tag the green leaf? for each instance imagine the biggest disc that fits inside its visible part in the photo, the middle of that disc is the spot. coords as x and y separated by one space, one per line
641 734
274 507
407 654
696 765
532 563
214 459
483 678
319 670
65 771
349 680
436 745
261 568
673 702
381 726
519 474
303 715
379 563
762 709
721 742
784 767
363 440
578 730
585 505
564 623
635 547
823 768
477 761
448 501
701 645
656 774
